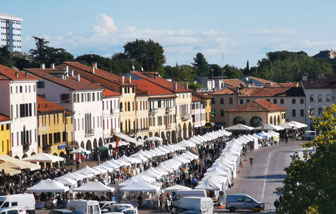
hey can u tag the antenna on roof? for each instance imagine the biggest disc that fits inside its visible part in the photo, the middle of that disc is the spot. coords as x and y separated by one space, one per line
142 69
133 67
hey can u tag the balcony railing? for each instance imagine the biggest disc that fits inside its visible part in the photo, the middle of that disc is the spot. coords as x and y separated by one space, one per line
186 117
169 110
153 111
89 133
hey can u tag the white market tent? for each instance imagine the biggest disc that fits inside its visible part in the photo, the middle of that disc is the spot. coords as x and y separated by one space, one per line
269 127
88 171
43 157
80 150
48 186
297 125
130 139
138 186
209 184
77 177
138 178
239 127
93 186
113 144
176 188
66 181
19 164
154 138
9 168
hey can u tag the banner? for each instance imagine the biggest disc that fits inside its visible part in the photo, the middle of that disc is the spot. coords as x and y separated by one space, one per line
116 146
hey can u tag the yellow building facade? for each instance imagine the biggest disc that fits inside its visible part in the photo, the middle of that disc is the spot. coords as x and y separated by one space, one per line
5 142
54 128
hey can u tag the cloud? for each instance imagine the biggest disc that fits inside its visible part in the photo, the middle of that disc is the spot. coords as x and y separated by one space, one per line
272 31
105 26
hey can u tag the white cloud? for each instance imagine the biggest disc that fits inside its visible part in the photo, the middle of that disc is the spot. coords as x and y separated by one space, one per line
272 31
105 26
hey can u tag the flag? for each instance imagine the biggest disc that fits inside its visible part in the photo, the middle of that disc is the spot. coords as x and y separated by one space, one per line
116 146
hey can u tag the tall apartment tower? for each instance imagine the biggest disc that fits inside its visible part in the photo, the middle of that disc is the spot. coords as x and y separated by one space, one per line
10 32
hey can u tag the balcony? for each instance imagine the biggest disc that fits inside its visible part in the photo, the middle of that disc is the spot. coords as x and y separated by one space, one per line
89 133
186 117
153 111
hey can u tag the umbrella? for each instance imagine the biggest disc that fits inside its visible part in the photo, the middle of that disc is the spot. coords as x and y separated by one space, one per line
269 127
19 164
43 157
239 127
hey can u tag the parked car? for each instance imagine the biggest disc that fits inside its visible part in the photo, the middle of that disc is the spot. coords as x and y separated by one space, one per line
119 208
21 201
12 210
127 211
242 201
103 204
187 193
60 211
84 207
309 135
201 205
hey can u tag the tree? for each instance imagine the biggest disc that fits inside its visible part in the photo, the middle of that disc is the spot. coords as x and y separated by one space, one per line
5 57
149 54
233 72
201 65
48 55
310 185
215 70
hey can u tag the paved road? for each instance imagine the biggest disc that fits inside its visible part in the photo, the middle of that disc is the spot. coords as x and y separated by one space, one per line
267 172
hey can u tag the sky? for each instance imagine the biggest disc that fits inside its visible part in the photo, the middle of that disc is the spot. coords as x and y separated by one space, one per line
224 31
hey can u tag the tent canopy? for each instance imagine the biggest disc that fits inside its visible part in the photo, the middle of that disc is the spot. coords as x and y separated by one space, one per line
239 127
76 177
269 127
176 188
80 150
9 168
154 138
93 186
43 157
130 139
19 164
48 186
139 186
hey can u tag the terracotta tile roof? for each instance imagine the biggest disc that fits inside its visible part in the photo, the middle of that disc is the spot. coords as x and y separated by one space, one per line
162 97
196 99
44 105
234 83
151 88
109 93
7 73
162 83
289 84
201 96
271 92
324 82
258 106
4 118
224 91
69 82
98 72
273 84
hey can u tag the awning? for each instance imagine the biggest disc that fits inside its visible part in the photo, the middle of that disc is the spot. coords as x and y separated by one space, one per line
209 125
130 139
62 146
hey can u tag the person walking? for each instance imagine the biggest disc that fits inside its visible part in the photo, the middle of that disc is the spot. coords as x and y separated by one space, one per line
251 161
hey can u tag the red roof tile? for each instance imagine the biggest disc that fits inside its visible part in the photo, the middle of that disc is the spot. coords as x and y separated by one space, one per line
196 99
7 73
258 106
289 84
44 105
69 82
271 92
273 84
201 96
109 93
151 88
4 118
161 82
224 91
234 83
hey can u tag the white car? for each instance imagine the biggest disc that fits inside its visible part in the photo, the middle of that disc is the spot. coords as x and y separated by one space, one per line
12 210
120 209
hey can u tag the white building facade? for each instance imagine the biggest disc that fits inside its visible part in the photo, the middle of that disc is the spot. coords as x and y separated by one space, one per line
10 32
111 115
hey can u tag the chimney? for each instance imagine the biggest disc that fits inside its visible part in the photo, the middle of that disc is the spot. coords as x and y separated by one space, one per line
26 74
72 73
95 65
175 85
66 68
123 79
78 77
186 85
130 79
16 74
53 65
42 66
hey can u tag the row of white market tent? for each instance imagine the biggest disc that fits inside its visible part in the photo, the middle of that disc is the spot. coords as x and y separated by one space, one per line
289 125
136 183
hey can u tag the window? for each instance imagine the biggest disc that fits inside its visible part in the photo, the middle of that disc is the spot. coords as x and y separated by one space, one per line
302 112
20 89
293 101
159 104
319 111
221 100
240 199
311 98
26 110
231 100
275 101
222 112
319 98
65 98
213 101
328 98
241 101
40 84
293 112
268 100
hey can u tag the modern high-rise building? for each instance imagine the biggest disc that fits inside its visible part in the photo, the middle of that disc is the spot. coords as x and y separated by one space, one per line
10 32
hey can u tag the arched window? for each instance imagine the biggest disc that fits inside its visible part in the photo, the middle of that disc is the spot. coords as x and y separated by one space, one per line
238 120
256 121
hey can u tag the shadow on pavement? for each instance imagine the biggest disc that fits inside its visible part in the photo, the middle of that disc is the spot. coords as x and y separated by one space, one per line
276 176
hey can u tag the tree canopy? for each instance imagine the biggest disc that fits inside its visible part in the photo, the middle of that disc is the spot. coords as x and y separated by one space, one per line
201 65
310 186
